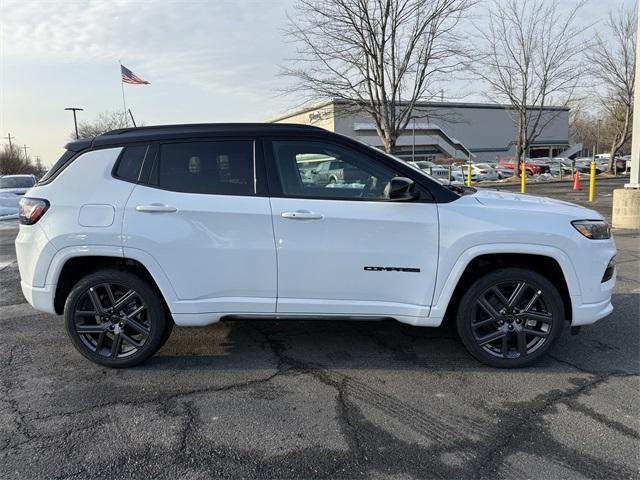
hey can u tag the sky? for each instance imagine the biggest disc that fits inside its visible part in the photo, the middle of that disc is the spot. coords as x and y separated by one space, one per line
207 61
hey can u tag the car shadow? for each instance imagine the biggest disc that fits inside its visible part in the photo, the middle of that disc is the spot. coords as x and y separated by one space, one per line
387 345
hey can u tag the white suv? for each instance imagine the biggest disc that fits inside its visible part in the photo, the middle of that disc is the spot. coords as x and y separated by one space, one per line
138 229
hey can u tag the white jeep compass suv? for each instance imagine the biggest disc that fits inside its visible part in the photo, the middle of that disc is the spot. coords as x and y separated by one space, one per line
141 228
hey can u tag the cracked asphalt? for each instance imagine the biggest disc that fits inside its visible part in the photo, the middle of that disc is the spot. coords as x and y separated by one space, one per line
318 399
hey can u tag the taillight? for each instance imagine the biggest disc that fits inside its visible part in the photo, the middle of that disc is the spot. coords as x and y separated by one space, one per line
32 209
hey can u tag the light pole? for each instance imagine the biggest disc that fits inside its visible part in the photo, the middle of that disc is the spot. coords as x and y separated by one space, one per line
75 121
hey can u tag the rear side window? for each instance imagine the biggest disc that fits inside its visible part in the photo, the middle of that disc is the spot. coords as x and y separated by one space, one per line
130 163
222 167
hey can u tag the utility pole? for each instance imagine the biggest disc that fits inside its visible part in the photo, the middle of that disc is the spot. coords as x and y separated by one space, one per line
25 152
75 121
9 137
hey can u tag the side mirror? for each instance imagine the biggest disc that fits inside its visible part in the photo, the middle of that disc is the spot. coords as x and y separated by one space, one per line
402 189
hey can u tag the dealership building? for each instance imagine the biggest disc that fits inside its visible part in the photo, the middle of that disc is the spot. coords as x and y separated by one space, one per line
443 130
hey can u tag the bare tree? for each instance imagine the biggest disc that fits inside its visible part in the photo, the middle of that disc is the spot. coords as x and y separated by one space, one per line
104 122
583 126
381 56
13 162
529 55
613 63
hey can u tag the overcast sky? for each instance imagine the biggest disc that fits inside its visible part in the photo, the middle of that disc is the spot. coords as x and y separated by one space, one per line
207 61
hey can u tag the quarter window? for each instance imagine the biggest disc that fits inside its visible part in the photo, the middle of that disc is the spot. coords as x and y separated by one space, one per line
224 168
131 162
323 170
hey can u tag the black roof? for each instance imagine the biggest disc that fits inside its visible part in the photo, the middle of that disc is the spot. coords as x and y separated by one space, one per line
159 132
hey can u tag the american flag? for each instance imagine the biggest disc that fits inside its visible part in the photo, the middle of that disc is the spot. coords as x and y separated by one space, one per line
129 77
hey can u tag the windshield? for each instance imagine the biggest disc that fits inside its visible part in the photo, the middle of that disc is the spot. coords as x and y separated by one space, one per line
16 182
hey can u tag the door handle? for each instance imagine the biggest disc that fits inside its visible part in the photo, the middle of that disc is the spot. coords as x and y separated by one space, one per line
302 215
156 208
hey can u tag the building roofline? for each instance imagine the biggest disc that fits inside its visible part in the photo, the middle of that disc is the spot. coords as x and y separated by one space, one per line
474 105
301 110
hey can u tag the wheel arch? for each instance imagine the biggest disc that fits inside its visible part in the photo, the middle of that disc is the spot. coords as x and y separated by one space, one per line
547 261
73 268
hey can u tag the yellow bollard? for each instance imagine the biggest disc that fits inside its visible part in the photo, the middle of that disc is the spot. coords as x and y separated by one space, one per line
592 180
523 179
469 174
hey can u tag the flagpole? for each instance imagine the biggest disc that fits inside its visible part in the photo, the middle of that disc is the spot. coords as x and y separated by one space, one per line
124 102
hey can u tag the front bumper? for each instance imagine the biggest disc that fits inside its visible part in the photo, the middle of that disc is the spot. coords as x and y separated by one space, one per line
589 313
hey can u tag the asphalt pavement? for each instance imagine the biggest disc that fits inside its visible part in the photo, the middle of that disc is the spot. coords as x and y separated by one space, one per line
318 399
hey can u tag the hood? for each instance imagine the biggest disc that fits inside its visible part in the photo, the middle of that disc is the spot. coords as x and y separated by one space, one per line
520 201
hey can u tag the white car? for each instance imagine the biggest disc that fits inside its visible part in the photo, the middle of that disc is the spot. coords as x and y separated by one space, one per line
16 184
140 229
12 188
458 173
485 172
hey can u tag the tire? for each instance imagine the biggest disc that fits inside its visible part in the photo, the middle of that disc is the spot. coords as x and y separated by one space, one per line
513 338
118 337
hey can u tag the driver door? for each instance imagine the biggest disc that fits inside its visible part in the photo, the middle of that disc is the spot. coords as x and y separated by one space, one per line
343 248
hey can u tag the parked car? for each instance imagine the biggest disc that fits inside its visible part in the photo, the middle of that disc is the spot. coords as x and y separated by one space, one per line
501 171
602 162
331 171
16 184
441 172
12 188
583 165
556 166
485 172
142 228
531 168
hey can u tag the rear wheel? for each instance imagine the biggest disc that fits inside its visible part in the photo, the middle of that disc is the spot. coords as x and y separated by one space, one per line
510 317
115 319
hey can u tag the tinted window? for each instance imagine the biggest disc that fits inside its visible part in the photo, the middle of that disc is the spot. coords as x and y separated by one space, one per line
130 163
224 167
302 167
16 182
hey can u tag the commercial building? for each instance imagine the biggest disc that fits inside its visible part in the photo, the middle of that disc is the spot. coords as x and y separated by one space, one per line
440 130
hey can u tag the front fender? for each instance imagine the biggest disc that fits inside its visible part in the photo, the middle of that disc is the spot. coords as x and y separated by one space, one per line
445 288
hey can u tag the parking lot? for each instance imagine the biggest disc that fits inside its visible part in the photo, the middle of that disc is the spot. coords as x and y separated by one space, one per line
266 399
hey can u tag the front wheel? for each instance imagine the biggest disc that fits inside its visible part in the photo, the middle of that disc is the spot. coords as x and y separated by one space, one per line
115 319
510 317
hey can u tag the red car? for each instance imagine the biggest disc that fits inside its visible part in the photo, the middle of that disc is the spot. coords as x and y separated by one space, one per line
532 169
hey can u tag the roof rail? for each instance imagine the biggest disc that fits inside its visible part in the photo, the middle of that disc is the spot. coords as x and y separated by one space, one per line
202 126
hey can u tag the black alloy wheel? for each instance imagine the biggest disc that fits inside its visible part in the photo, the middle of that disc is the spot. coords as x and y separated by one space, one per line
115 318
510 317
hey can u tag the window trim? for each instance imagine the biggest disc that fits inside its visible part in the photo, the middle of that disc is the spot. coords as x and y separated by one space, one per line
149 166
275 185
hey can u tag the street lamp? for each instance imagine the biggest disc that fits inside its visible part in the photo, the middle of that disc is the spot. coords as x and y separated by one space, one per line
75 122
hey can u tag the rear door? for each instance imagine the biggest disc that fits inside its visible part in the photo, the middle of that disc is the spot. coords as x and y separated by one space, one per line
200 217
344 248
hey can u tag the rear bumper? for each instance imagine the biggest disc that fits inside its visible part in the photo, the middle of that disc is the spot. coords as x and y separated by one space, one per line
40 298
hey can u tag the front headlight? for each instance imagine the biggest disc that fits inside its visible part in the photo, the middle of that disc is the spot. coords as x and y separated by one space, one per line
593 229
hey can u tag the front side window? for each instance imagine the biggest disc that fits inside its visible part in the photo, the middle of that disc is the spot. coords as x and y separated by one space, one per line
324 170
218 167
